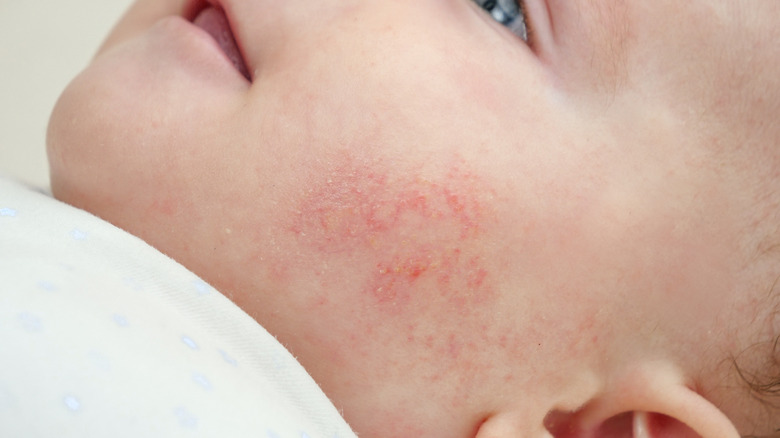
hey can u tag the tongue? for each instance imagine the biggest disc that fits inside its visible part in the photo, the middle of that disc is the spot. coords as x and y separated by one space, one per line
214 21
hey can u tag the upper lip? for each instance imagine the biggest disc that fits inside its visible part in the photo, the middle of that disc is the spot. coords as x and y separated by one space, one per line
193 8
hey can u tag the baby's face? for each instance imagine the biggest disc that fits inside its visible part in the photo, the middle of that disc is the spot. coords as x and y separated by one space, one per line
437 219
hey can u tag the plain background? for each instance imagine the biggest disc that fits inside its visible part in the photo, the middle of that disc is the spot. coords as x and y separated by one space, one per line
43 45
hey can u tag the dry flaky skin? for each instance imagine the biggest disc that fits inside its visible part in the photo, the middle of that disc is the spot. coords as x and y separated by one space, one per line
409 247
412 232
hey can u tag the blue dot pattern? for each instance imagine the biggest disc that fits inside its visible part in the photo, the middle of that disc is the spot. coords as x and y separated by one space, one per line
72 403
102 335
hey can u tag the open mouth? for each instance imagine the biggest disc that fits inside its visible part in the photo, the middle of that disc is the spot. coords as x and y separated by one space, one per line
213 20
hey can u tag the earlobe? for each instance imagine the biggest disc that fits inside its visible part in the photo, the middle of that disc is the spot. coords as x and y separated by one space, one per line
650 400
655 403
672 409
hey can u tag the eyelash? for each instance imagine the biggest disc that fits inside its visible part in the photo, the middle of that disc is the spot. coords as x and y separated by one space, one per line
511 14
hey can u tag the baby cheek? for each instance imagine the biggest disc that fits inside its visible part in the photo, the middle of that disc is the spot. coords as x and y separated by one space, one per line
407 241
401 266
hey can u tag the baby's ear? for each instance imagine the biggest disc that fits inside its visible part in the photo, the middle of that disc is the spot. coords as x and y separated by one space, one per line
652 401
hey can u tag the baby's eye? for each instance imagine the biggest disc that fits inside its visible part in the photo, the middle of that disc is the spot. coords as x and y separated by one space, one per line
510 13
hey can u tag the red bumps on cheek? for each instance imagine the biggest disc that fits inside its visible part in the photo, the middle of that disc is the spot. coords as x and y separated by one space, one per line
403 237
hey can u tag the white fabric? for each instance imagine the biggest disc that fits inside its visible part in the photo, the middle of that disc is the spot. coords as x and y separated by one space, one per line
101 335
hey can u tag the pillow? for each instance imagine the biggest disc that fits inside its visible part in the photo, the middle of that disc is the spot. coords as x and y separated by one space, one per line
102 335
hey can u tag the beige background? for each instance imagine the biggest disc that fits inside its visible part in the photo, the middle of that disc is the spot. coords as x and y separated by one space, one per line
43 44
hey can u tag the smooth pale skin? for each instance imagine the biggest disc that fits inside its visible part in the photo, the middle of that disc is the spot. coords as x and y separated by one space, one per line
455 234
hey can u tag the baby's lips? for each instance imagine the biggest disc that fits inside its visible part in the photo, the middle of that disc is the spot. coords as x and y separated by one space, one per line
214 21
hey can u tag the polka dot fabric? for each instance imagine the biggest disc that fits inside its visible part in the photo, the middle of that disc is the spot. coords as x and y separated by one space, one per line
101 335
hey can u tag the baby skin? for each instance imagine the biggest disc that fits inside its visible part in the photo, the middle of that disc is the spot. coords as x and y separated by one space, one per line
458 232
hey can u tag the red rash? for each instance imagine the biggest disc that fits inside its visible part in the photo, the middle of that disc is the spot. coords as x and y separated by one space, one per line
410 234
